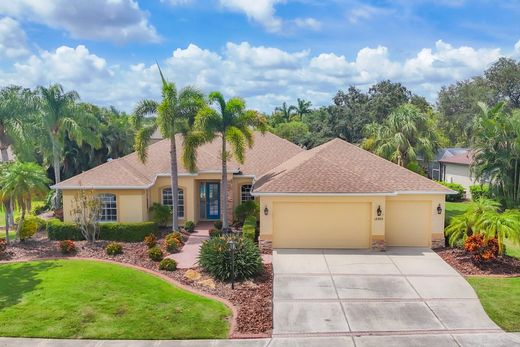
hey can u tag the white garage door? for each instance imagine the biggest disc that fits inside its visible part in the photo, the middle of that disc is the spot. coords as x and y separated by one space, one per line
408 223
321 225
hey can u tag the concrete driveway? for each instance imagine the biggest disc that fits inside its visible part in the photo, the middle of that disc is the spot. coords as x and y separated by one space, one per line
407 296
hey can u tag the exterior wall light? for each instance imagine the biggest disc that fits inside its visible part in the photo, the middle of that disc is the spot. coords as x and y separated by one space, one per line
439 209
379 211
266 211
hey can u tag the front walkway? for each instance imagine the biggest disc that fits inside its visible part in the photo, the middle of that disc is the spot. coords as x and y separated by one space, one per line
187 257
406 296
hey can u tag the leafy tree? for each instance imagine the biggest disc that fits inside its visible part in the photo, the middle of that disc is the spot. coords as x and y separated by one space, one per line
504 77
349 114
496 146
302 108
384 97
21 183
319 123
285 112
294 131
175 114
85 211
403 137
60 117
234 125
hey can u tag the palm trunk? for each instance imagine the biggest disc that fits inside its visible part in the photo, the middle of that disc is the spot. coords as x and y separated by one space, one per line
20 223
6 207
4 144
224 183
57 174
174 183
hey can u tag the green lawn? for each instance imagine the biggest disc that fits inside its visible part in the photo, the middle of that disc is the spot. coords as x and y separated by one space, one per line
17 213
500 298
12 234
88 299
455 209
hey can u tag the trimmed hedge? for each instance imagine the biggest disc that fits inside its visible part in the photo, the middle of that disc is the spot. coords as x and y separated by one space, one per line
479 191
249 228
461 192
123 232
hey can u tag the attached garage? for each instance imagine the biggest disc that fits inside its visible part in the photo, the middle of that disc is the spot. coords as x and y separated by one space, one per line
408 223
321 225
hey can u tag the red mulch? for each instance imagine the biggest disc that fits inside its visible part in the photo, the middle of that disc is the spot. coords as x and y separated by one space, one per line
251 298
462 261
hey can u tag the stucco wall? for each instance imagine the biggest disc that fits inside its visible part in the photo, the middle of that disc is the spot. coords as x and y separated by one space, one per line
131 204
460 174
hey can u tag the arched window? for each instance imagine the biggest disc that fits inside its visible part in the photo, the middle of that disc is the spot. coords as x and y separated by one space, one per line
108 208
245 193
167 200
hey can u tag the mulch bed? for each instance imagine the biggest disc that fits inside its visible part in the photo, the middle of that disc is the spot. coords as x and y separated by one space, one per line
463 263
252 298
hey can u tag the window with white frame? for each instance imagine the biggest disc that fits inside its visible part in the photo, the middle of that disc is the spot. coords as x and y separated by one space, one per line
167 200
245 193
108 208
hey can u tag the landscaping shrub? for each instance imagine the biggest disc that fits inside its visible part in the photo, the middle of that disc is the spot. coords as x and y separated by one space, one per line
177 235
482 249
114 248
249 228
67 246
150 240
218 225
160 214
189 226
168 264
246 209
215 233
31 225
479 191
215 258
3 247
461 192
172 243
155 253
122 232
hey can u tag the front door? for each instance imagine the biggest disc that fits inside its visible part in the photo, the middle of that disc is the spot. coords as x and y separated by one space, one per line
210 200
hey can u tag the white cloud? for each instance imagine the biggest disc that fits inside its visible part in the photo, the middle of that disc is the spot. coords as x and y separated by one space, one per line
517 48
308 23
264 76
366 12
118 21
13 41
260 11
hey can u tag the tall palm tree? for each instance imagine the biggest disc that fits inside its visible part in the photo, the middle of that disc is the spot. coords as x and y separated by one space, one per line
16 105
59 117
21 183
285 111
404 136
175 114
302 108
234 125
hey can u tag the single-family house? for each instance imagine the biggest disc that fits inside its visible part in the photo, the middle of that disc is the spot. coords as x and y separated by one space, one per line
336 195
457 169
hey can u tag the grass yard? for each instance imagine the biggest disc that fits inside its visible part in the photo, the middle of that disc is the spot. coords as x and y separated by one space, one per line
17 213
500 298
12 234
89 299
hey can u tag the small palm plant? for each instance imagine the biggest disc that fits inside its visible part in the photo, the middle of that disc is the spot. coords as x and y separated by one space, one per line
501 226
21 183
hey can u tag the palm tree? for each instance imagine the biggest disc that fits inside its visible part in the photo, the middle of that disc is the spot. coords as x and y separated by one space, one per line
506 225
286 112
404 136
175 114
234 125
21 182
302 108
60 117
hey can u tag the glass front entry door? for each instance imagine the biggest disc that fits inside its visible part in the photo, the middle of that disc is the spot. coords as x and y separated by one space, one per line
209 200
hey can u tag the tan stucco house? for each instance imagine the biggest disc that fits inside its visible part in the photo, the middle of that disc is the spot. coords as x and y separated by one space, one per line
336 195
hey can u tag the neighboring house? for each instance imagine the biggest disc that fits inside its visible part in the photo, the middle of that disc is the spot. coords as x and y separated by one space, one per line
10 154
434 167
156 136
336 195
456 169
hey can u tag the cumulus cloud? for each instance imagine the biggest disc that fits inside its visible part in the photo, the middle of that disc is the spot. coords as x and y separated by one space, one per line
117 21
308 23
264 76
259 11
366 12
13 41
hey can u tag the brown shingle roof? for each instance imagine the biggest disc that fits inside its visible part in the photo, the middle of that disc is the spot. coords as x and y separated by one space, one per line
340 167
129 172
462 159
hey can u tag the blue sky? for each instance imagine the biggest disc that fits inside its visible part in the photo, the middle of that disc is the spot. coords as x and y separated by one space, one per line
267 51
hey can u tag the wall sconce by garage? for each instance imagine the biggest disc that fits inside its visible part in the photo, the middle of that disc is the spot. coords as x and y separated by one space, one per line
439 209
379 211
266 211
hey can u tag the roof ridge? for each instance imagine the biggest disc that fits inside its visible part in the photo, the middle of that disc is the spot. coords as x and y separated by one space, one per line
133 169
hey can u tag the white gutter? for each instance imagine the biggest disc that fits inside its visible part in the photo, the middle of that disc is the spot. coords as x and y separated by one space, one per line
414 192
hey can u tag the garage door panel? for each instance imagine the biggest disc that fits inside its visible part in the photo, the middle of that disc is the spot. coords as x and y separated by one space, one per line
321 225
408 223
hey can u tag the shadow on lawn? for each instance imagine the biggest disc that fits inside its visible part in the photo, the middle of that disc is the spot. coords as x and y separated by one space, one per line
18 279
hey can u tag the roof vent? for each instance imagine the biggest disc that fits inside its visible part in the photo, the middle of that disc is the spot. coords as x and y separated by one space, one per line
109 160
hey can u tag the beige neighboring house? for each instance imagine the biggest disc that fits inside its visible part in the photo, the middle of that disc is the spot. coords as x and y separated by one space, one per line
457 169
336 195
10 154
